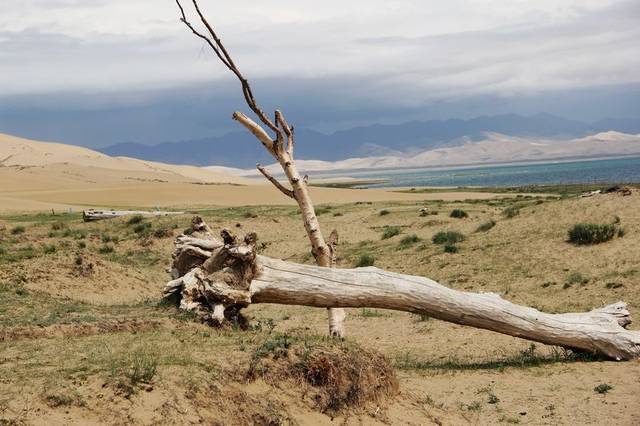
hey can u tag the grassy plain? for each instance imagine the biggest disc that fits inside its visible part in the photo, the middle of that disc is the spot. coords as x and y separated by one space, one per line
84 338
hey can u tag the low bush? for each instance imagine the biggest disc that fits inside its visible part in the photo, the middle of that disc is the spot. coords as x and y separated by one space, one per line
458 214
390 231
17 230
106 249
591 233
142 228
134 220
447 237
484 227
49 249
384 212
450 248
511 211
409 240
365 260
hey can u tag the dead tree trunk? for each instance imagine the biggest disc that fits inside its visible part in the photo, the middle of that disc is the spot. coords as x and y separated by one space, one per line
281 148
216 279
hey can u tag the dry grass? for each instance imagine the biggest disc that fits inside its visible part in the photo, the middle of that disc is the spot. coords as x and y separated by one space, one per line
70 332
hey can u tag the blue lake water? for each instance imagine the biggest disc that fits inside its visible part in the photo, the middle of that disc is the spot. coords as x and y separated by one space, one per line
625 170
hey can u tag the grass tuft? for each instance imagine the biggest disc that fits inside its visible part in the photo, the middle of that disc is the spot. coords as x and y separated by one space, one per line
591 233
365 260
484 227
390 231
447 237
458 214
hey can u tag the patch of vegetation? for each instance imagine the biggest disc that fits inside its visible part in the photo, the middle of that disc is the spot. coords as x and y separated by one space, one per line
58 226
320 210
49 249
451 248
252 215
591 233
162 233
575 278
458 214
383 212
603 388
135 219
511 211
17 230
485 226
106 249
390 231
365 260
373 313
621 232
408 241
58 400
338 374
447 237
142 228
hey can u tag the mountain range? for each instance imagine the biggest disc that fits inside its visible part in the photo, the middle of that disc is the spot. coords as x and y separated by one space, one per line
241 150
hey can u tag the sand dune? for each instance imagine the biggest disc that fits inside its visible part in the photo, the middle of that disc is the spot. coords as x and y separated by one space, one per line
41 176
494 148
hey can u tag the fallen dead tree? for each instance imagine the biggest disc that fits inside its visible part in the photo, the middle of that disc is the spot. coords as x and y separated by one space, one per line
92 215
216 279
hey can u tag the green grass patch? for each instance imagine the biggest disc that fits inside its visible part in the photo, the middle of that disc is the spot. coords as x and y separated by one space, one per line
365 260
447 237
390 231
408 241
591 233
458 214
511 211
485 226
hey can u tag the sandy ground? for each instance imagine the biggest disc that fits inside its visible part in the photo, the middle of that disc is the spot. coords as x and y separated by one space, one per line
448 374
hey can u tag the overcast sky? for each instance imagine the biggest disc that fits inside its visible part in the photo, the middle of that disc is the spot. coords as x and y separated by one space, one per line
400 55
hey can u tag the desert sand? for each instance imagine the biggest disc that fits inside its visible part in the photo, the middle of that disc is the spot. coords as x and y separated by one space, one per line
43 176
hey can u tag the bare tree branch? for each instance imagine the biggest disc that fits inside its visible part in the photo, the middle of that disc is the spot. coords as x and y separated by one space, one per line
275 146
276 182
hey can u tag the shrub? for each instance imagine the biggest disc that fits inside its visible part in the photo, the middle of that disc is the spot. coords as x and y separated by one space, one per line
249 215
58 226
575 278
447 237
450 248
458 214
82 244
384 212
603 388
18 230
134 220
591 233
106 249
484 227
142 367
106 238
621 232
365 260
142 228
409 240
49 249
163 233
390 231
511 211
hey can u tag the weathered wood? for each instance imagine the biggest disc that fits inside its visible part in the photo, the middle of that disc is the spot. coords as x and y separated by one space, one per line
599 331
91 215
276 147
234 278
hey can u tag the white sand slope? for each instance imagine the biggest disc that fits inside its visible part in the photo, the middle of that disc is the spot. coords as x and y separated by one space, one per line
494 148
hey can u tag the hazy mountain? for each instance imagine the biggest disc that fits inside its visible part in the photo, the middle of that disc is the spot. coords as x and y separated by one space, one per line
240 149
491 149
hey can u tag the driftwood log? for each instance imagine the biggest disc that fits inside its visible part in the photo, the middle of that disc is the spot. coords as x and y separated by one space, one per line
217 278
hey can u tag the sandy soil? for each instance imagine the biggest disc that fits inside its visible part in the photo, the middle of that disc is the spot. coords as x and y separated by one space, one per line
59 372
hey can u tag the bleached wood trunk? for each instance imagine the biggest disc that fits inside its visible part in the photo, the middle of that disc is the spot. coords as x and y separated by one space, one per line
216 279
599 331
